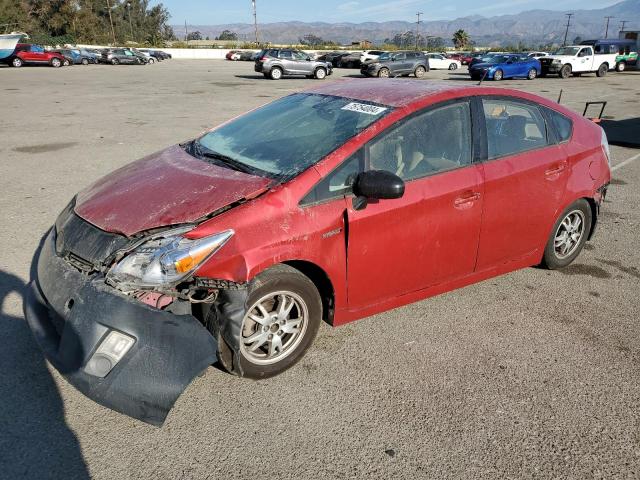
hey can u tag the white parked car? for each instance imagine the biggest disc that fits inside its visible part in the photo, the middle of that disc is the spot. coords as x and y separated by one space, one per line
437 60
537 55
370 56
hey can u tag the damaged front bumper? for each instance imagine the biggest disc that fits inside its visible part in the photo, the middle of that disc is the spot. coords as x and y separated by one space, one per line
70 313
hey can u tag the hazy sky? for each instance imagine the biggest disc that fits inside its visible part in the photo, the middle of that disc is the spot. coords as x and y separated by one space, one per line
209 12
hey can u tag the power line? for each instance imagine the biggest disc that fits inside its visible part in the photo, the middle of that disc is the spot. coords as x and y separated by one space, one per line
417 27
606 32
569 15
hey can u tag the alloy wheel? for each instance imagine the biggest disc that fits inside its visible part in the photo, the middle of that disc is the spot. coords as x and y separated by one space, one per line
569 234
273 327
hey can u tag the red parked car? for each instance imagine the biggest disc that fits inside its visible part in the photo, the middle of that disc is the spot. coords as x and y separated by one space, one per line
333 204
35 54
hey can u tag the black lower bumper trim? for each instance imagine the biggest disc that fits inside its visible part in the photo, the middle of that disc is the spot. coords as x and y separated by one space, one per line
70 313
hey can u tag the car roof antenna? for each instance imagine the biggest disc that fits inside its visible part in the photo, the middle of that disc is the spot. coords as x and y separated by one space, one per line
560 96
483 77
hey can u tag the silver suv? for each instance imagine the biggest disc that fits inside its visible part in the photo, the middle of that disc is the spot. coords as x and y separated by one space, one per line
274 63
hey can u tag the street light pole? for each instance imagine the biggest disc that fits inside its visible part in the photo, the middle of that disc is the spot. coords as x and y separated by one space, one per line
623 23
255 19
113 32
130 22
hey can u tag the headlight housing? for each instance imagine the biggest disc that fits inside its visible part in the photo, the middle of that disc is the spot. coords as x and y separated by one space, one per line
164 259
557 60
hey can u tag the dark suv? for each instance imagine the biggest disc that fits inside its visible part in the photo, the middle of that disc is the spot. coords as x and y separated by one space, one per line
116 56
397 64
274 63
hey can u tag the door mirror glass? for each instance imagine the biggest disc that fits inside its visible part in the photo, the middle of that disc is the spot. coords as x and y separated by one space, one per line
379 184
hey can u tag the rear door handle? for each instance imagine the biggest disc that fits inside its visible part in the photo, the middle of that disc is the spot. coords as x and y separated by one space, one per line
552 172
466 200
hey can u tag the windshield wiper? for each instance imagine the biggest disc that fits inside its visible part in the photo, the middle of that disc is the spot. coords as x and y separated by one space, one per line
202 152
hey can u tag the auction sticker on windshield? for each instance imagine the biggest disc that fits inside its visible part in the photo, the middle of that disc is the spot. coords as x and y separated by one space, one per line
364 108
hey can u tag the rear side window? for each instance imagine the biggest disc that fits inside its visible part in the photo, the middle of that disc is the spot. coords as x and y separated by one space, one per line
285 54
513 127
561 124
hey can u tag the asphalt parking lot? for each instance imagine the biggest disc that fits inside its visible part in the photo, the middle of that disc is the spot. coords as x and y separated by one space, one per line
531 375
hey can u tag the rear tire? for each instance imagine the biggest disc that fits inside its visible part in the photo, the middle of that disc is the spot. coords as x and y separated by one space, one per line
565 71
453 66
17 62
115 61
275 73
602 70
258 360
532 74
152 60
621 66
419 71
568 236
56 63
85 61
66 63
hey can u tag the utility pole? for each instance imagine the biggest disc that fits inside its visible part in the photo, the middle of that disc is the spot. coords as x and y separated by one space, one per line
113 32
130 22
255 19
622 24
186 34
569 15
417 29
606 31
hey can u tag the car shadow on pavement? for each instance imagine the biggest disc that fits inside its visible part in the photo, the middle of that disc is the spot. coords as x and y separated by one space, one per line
35 441
624 133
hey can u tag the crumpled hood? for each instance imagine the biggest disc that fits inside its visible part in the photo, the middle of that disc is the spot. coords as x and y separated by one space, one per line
166 188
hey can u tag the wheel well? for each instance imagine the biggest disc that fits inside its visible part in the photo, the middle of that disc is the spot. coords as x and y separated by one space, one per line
322 283
594 215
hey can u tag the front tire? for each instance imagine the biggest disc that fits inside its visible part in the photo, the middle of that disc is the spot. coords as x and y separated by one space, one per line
152 60
320 73
56 63
383 73
85 61
453 66
565 71
568 235
66 63
283 314
532 74
419 71
602 70
621 67
497 76
115 61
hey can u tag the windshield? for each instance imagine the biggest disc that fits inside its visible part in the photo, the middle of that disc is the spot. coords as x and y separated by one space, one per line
571 51
496 59
287 136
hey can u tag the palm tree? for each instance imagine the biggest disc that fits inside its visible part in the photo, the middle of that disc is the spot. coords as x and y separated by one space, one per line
461 39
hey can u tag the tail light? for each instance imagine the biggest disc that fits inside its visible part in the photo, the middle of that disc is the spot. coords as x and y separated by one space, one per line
263 59
604 142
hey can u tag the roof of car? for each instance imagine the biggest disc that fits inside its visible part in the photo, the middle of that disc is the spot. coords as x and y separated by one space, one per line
392 92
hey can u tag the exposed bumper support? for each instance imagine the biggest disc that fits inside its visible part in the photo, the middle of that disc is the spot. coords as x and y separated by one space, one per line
70 313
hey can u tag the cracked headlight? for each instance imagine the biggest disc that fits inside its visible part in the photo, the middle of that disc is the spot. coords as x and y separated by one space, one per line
165 259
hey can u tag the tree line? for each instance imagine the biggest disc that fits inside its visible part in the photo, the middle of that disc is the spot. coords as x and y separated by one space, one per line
101 22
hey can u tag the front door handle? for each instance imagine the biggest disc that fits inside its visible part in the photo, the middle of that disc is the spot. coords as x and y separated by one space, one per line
466 200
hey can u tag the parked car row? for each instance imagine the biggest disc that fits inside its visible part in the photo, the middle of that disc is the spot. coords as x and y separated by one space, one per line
29 54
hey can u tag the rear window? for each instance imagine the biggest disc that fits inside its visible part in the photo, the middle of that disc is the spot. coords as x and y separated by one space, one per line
561 124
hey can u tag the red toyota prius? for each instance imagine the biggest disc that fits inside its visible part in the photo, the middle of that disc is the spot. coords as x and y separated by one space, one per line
331 204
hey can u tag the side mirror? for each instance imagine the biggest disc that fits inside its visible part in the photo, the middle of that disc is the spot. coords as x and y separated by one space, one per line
378 184
308 59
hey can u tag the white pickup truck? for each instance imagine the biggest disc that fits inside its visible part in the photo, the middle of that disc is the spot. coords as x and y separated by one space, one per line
576 60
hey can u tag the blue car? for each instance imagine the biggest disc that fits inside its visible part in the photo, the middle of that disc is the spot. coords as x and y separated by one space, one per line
498 67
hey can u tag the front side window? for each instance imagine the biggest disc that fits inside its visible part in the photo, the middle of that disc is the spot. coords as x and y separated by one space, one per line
428 143
289 135
339 182
513 127
299 56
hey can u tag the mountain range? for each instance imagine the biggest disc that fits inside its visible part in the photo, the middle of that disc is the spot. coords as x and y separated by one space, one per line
530 27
